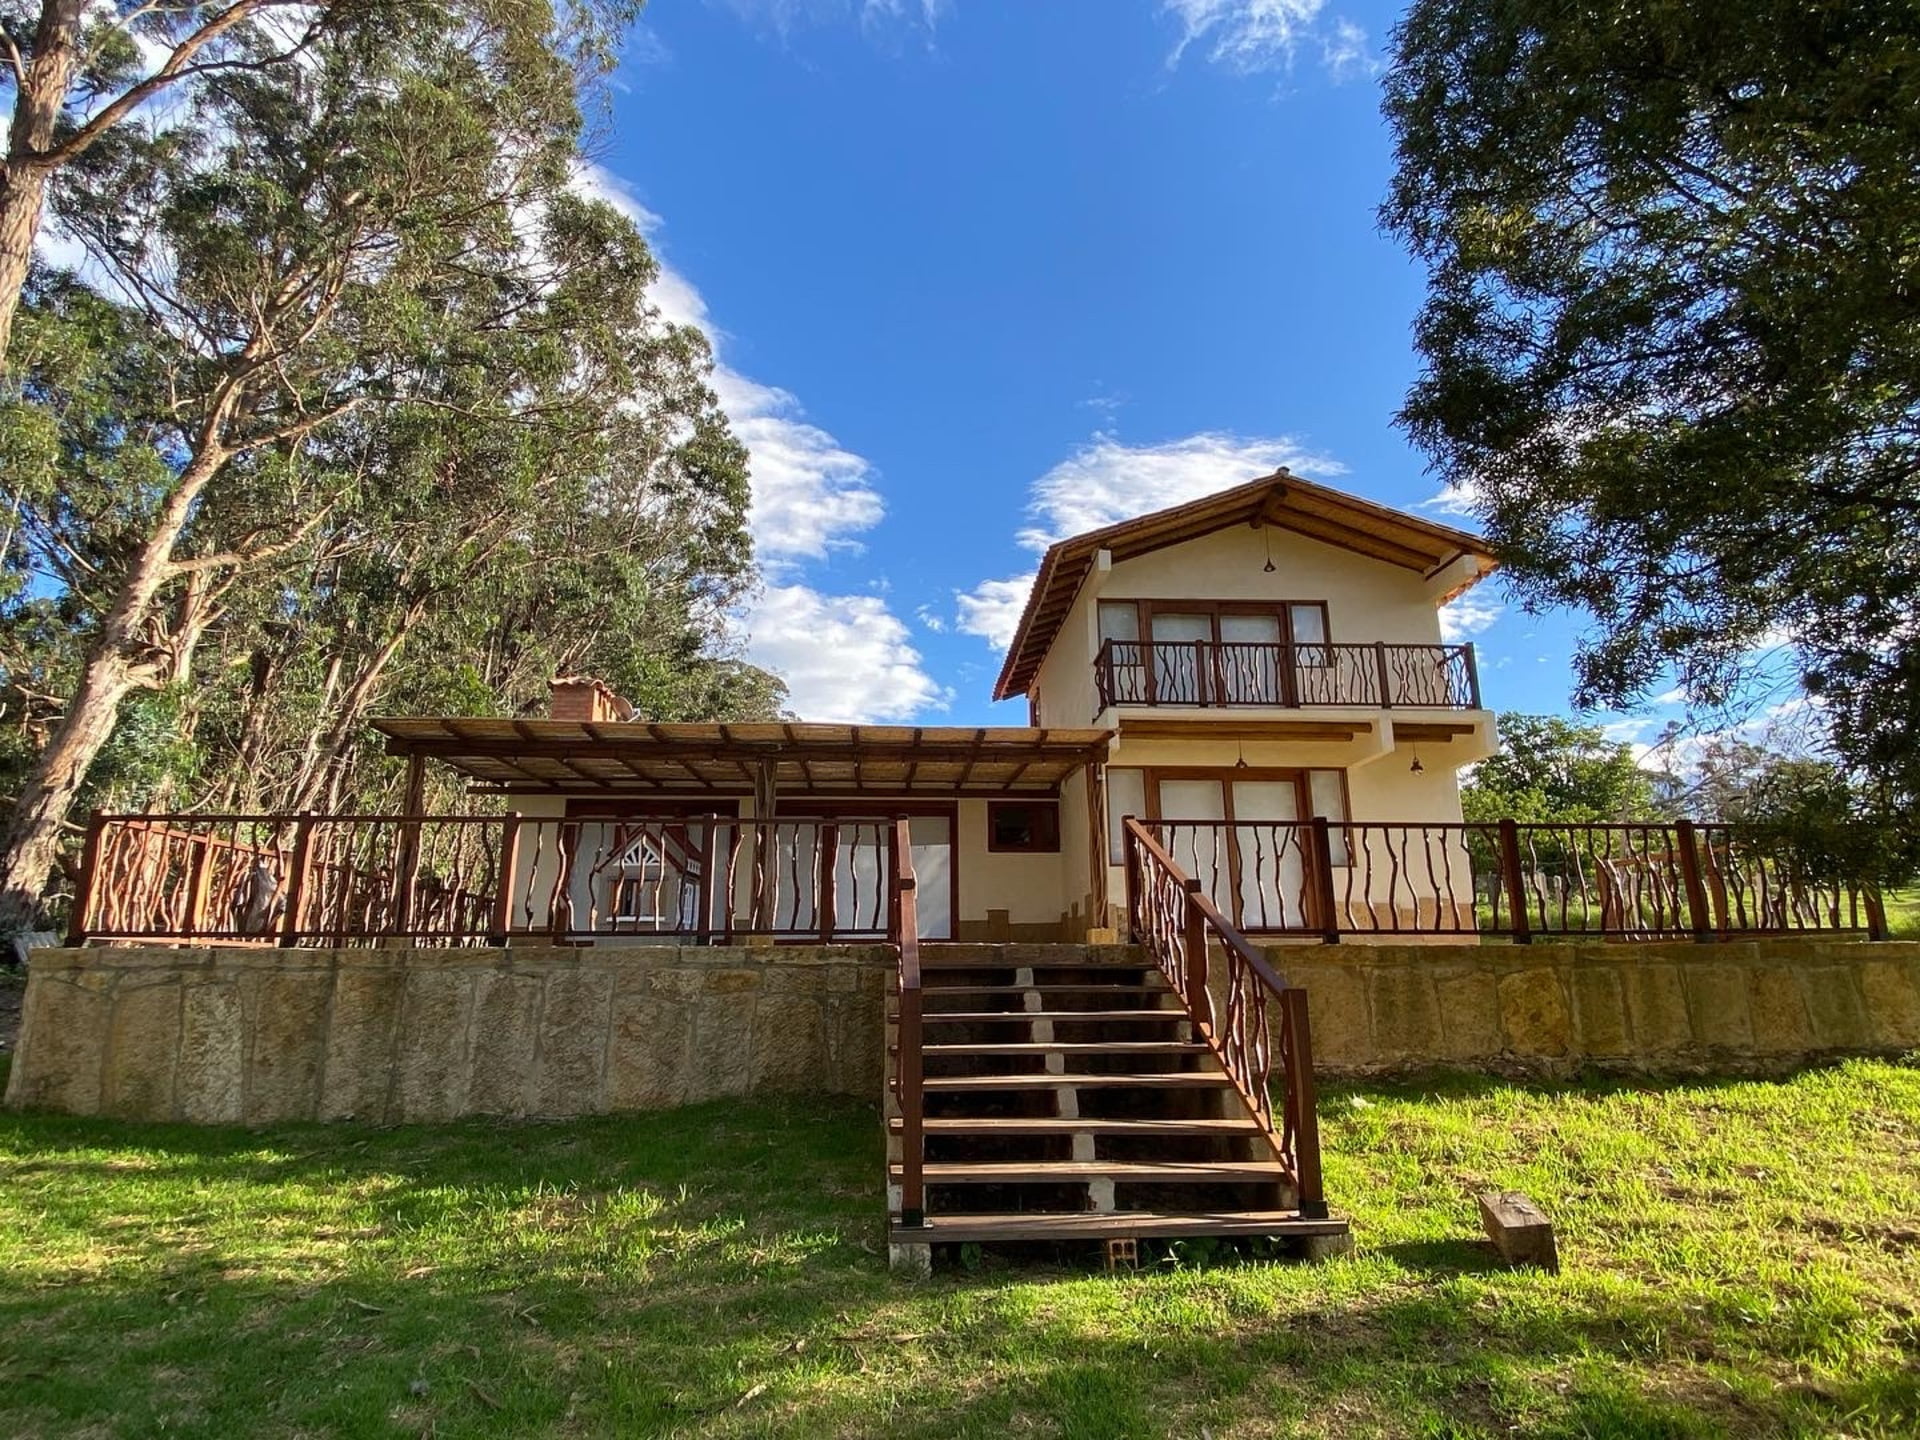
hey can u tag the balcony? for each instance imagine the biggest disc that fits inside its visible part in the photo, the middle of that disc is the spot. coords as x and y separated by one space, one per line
1206 673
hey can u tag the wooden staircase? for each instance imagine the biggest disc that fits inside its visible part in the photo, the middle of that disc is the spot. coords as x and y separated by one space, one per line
1067 1094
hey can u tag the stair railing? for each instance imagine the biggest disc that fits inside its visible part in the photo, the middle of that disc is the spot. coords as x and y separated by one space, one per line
903 933
1233 1007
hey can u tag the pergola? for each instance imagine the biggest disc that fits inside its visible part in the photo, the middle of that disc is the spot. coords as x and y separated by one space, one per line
617 758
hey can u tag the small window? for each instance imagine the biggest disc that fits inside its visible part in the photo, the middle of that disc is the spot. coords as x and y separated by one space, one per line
1022 828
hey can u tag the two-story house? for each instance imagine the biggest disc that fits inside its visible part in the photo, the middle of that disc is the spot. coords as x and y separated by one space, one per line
1260 656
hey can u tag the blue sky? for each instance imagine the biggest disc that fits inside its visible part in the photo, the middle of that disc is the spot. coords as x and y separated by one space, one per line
982 272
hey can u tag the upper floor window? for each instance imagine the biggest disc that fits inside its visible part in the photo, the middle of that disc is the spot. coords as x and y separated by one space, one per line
1209 652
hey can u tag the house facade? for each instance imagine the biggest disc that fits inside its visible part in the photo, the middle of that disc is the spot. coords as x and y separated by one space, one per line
1260 674
1251 661
1053 946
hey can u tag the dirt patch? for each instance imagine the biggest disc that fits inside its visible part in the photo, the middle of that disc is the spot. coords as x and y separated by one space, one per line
11 992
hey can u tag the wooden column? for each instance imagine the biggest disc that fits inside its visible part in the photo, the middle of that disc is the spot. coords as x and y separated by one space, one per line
299 874
89 886
506 881
1097 874
1515 881
766 802
406 860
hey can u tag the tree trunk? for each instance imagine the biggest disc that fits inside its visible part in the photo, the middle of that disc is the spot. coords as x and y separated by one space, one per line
38 101
32 835
32 841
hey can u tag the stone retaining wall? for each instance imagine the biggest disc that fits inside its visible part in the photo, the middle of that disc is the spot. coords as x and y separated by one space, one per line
1741 1007
402 1034
222 1035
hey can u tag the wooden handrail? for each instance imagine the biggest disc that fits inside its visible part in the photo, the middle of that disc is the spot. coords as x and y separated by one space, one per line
1287 675
1242 1042
904 934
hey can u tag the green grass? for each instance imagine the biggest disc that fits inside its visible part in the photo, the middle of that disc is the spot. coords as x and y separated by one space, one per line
1741 1259
1903 914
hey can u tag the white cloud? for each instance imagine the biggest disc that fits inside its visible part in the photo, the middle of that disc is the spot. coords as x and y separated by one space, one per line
1253 35
783 16
846 658
1469 615
811 495
927 617
1457 500
1105 482
992 609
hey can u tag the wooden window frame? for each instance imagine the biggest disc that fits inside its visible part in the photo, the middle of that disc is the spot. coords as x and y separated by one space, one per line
1047 841
1282 610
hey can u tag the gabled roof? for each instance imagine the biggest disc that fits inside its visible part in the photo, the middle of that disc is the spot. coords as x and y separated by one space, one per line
1281 499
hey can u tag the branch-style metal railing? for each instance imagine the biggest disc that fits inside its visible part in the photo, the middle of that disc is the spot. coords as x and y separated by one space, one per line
1209 673
471 880
903 933
1648 881
1248 1016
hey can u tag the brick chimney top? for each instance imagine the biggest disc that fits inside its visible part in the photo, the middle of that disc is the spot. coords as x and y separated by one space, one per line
585 699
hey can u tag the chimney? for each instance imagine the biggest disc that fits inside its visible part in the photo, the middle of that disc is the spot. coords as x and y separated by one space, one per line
585 699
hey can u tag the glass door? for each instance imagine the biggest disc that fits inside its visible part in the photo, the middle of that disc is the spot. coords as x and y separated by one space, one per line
1194 812
1249 668
1181 644
1269 860
1126 668
1240 838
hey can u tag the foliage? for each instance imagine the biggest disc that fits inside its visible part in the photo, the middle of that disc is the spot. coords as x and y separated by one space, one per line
1551 770
1739 1260
1672 334
360 403
83 75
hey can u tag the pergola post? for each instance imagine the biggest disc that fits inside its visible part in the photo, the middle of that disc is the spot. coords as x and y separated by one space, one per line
1096 774
766 803
406 867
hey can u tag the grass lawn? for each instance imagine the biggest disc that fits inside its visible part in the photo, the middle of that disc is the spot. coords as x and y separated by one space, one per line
1741 1259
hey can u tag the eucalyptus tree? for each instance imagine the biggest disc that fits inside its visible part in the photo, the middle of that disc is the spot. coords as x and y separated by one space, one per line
366 296
1672 333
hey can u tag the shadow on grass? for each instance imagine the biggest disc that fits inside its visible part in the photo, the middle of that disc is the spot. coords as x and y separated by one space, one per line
1444 1257
1593 1083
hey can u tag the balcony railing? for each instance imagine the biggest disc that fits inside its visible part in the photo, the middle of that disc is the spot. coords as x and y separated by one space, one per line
1209 673
305 880
1329 879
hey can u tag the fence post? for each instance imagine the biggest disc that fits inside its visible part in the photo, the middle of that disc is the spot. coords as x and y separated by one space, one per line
709 851
406 875
506 878
1323 898
299 872
83 896
827 847
1687 841
1473 675
1380 663
1876 914
1130 864
1304 1104
199 881
1522 927
1199 998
